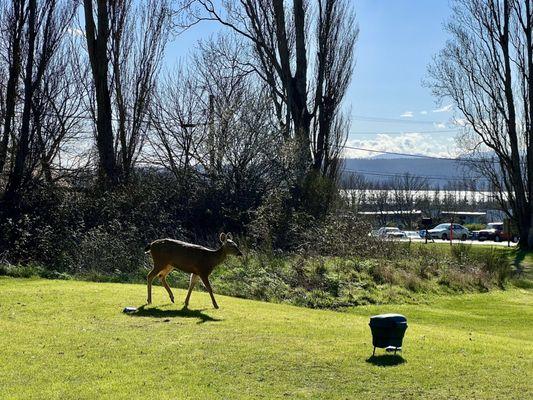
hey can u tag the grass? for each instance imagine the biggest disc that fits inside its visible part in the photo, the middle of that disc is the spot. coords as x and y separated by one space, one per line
523 262
69 339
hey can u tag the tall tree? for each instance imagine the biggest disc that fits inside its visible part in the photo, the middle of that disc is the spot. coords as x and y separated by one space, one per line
13 20
215 117
307 93
97 34
125 55
139 34
486 69
46 22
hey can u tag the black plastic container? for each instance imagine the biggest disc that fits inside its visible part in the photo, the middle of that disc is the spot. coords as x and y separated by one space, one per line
388 331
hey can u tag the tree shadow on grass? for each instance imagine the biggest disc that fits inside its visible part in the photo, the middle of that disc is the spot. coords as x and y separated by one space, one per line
142 311
518 263
386 360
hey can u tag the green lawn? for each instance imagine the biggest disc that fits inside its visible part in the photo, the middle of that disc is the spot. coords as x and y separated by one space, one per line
70 339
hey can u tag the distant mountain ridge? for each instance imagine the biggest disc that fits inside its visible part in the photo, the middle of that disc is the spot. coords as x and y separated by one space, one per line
382 169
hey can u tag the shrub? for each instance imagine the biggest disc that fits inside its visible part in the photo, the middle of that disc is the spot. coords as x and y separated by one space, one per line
496 264
109 250
317 257
474 227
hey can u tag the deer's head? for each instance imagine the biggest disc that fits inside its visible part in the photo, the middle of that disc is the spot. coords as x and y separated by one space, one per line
230 247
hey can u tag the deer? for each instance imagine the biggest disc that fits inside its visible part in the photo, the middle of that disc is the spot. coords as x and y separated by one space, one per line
199 261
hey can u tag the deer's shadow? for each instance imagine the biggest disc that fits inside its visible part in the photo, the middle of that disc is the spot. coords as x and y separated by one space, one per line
142 311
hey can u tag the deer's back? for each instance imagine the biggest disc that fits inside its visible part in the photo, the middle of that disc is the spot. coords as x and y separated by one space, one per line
185 256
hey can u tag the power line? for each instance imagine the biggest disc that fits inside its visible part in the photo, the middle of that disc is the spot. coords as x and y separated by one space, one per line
392 120
404 133
399 174
436 176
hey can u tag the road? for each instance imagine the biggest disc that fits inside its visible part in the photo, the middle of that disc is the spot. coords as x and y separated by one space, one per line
473 242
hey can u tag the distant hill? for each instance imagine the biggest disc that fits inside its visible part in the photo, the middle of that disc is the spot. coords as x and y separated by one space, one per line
381 169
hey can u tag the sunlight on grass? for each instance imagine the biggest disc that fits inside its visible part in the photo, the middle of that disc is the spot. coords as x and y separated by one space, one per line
68 339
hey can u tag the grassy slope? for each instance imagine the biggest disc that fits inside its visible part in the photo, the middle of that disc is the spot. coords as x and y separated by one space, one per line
67 339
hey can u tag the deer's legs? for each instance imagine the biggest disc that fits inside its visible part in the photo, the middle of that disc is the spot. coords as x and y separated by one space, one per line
165 284
205 281
151 275
192 283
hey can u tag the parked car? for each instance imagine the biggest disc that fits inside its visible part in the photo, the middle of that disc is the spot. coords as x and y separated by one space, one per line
442 231
389 232
412 235
494 231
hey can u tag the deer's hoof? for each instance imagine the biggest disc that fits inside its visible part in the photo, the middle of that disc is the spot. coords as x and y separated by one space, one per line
216 306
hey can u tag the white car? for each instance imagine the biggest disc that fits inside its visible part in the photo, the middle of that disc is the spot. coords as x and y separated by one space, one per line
412 235
442 231
389 232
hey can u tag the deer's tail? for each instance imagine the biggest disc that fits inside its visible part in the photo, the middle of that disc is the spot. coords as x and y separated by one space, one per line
147 248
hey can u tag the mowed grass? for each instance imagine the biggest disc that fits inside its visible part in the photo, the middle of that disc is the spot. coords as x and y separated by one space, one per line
70 340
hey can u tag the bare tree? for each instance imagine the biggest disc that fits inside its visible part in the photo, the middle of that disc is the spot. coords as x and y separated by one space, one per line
405 192
45 25
125 50
214 119
178 121
12 22
58 118
307 94
139 33
97 34
486 70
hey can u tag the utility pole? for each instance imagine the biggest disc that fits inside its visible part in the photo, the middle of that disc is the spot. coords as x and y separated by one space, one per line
451 231
211 132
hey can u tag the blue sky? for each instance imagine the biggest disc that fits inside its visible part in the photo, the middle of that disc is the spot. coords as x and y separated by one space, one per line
397 41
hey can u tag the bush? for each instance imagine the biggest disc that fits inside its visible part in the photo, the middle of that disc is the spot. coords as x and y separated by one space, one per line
109 250
319 257
474 227
496 264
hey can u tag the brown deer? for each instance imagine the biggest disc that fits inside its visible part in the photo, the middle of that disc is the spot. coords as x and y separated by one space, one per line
197 260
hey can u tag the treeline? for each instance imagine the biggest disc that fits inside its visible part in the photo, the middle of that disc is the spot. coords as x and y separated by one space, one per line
105 145
411 192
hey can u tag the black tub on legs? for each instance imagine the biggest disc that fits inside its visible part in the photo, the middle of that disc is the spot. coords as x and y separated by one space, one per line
388 331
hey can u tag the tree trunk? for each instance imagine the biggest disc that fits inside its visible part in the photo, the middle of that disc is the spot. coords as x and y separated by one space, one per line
529 134
14 73
97 49
17 175
522 208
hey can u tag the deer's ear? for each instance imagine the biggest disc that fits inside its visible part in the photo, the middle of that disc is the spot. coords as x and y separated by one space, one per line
229 236
222 237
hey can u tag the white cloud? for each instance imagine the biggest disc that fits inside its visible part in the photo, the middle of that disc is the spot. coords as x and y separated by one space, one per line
424 112
446 108
409 143
460 122
439 125
407 114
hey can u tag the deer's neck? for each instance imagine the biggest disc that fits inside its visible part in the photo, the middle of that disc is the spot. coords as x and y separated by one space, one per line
220 255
